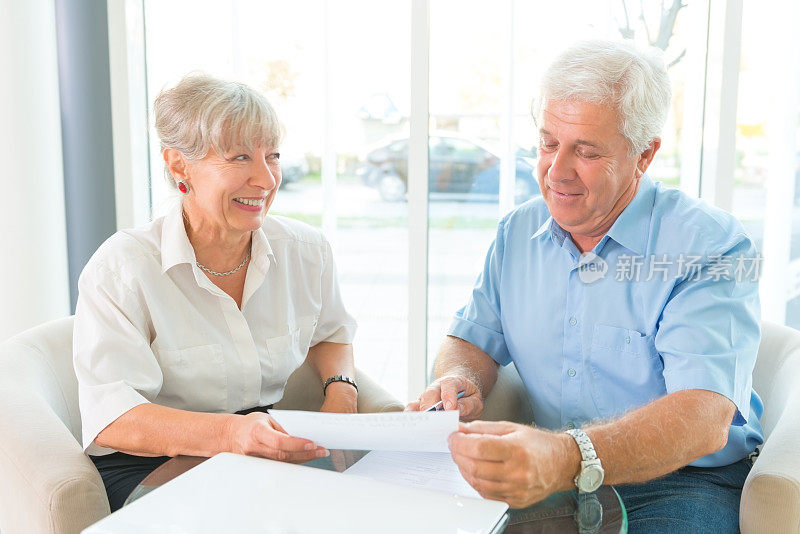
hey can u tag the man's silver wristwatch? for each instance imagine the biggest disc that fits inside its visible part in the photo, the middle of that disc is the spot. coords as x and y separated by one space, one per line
591 476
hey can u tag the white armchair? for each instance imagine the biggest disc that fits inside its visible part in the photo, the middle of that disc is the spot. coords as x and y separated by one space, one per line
47 483
771 495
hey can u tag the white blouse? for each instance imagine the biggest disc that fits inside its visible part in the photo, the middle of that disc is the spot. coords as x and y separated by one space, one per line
151 327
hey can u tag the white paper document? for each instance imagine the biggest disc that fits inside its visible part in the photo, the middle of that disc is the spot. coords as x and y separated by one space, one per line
430 470
393 431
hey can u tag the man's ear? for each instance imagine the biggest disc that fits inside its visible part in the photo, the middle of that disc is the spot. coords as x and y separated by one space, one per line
176 164
646 157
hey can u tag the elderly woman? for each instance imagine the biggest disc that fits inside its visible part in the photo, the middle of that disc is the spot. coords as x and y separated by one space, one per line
187 329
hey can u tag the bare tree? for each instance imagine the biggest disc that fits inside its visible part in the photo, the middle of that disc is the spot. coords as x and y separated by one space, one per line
668 15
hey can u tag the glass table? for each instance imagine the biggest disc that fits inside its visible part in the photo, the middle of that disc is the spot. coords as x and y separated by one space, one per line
592 513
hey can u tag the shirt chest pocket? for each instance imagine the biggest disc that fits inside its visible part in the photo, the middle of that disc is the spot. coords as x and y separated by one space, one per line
194 378
286 352
626 370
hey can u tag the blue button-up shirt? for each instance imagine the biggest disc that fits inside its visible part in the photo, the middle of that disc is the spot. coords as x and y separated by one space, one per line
666 301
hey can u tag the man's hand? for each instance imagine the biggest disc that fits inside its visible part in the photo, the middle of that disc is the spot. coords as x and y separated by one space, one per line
446 389
340 397
514 463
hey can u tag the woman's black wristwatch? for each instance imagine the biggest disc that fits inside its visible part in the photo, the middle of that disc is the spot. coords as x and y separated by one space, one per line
339 378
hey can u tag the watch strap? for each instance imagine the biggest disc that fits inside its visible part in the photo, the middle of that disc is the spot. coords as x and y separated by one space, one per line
584 444
339 378
589 463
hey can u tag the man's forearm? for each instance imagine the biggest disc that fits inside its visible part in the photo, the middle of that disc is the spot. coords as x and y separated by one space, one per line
662 436
457 356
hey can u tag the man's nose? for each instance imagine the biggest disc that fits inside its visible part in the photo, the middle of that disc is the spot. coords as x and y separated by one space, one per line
561 168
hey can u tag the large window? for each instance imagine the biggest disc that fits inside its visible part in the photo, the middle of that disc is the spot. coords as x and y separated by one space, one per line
338 73
766 182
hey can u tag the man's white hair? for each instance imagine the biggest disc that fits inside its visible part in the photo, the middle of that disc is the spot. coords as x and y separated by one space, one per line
635 83
203 112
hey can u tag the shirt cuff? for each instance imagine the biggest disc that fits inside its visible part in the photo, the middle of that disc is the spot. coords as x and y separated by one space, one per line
344 334
710 380
102 405
489 341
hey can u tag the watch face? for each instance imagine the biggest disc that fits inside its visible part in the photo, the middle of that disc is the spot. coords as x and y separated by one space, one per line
591 478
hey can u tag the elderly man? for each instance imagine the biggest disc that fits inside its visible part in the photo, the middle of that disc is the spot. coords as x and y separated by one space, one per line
629 310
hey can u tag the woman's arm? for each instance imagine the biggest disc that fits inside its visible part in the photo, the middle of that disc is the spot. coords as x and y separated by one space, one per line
331 359
154 430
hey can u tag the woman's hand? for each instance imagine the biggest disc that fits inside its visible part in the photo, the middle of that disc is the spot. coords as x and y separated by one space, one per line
340 397
258 434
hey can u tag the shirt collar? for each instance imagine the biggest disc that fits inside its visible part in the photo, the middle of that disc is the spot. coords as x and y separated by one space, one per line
543 228
176 248
550 226
175 245
631 227
261 250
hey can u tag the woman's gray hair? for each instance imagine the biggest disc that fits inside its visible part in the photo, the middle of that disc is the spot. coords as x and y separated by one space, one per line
635 83
203 112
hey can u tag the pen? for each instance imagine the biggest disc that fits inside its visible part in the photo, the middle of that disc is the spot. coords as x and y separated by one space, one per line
438 406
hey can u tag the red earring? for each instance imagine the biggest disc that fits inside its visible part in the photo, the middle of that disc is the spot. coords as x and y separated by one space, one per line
183 187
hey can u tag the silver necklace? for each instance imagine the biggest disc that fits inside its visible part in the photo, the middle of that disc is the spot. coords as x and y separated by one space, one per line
226 273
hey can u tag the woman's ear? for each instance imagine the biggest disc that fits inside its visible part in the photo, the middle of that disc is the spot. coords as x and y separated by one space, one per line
176 164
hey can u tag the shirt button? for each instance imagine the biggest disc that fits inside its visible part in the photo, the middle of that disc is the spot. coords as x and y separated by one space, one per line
570 425
628 340
573 321
571 372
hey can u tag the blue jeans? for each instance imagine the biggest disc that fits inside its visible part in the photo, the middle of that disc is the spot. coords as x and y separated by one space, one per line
690 500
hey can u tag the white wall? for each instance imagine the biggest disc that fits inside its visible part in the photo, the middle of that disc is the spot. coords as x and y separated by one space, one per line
33 251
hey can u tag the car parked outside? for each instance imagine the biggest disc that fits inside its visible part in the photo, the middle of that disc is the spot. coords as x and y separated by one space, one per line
459 169
294 167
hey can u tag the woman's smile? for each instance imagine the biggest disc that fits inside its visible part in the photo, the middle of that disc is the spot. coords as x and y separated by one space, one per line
254 204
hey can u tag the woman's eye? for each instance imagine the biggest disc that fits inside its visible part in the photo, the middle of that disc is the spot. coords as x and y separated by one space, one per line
242 157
